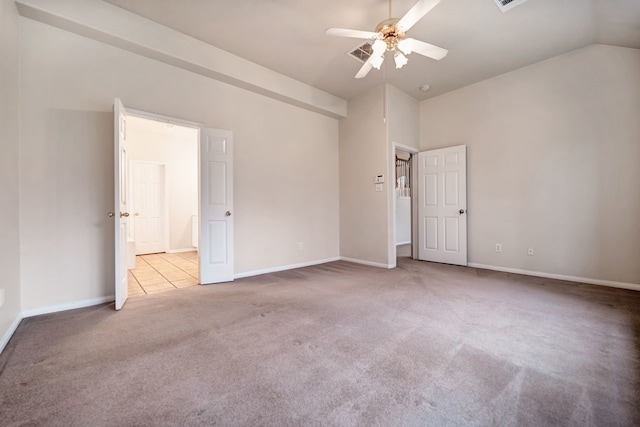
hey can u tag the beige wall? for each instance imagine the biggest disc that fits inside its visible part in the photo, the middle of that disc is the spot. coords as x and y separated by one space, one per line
9 225
363 155
285 163
403 118
553 155
376 121
177 149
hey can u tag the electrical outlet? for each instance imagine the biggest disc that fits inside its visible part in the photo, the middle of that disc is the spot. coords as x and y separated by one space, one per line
498 247
299 246
1 297
530 252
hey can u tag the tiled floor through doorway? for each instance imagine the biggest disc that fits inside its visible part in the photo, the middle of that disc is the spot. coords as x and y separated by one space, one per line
161 272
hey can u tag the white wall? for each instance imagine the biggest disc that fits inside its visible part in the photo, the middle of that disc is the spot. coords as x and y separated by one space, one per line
403 220
9 224
116 26
285 163
363 155
403 118
177 149
553 155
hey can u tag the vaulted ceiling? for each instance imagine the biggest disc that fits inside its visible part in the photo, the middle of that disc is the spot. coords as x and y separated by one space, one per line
288 36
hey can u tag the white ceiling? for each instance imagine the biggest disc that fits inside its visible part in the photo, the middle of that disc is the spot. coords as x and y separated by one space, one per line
288 36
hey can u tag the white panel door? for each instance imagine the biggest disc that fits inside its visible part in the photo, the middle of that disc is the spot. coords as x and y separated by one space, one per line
121 212
442 205
149 203
216 207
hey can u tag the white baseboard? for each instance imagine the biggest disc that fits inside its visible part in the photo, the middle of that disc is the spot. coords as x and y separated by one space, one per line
177 251
371 263
610 283
284 267
403 243
12 329
68 306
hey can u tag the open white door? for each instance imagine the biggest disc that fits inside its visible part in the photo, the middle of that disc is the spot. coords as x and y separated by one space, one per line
121 213
215 250
442 209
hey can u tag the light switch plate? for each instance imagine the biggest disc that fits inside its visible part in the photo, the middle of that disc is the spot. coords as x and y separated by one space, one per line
378 179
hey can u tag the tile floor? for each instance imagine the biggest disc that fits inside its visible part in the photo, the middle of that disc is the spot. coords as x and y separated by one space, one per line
161 272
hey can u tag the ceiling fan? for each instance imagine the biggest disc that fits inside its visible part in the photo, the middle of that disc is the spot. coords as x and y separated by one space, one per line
390 35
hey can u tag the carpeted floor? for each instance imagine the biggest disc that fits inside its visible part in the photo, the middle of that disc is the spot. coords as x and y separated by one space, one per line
336 344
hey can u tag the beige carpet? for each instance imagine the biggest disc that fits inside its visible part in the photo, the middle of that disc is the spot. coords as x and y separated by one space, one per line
337 344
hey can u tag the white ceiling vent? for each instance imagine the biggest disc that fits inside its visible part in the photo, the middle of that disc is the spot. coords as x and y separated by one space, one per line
361 52
505 5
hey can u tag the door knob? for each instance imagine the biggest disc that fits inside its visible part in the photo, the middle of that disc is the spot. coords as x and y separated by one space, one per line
124 214
111 214
227 214
461 211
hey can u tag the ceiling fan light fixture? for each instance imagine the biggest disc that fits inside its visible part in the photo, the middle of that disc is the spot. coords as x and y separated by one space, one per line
376 61
400 59
378 47
405 46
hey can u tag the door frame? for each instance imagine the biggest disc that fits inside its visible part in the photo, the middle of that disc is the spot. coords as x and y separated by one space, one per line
392 195
165 201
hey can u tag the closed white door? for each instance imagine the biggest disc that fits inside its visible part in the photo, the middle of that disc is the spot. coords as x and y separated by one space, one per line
442 208
149 203
216 207
121 212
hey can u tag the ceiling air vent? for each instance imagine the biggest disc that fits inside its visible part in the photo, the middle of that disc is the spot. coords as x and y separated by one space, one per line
361 53
505 5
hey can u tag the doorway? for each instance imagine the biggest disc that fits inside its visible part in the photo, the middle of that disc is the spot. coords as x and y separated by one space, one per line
214 219
402 196
164 200
403 243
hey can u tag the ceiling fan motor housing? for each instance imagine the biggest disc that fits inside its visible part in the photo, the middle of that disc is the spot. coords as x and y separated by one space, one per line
390 32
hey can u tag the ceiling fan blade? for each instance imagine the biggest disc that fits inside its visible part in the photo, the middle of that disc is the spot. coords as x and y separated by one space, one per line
412 45
344 32
421 8
365 69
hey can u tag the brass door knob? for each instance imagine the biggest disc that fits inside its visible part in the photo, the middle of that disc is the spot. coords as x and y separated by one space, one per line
111 214
227 214
124 214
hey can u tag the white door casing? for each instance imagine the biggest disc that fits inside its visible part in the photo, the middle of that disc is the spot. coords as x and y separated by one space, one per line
149 203
121 213
215 252
442 209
